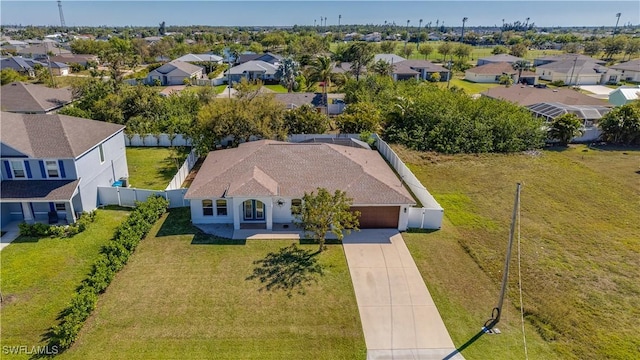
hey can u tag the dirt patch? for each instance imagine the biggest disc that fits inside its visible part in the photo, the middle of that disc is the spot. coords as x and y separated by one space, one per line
8 299
192 175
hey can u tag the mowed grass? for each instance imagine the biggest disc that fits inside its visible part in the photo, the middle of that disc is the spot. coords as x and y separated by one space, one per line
468 86
153 167
277 88
580 250
184 295
40 275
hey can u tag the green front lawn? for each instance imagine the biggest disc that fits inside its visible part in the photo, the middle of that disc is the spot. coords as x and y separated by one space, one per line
186 295
580 250
39 278
153 167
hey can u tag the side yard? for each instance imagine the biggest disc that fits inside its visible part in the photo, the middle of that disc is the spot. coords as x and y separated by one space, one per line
187 295
39 277
580 250
153 167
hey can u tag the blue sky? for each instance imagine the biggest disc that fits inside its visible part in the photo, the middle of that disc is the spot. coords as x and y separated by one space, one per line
289 13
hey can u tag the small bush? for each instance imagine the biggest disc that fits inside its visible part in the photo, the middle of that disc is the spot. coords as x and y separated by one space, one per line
558 83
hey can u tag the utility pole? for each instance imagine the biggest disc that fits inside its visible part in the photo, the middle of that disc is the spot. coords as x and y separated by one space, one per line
62 23
449 73
407 39
572 70
617 21
418 42
464 21
339 29
501 30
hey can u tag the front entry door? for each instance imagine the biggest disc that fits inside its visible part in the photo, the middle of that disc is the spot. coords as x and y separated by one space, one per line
253 210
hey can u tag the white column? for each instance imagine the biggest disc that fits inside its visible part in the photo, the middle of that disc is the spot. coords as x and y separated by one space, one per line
268 205
71 219
26 212
237 210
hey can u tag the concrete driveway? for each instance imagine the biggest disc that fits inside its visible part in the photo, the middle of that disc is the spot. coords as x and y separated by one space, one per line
399 318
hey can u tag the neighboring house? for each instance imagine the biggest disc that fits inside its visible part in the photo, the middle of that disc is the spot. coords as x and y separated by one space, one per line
13 45
491 73
424 68
500 58
270 58
58 68
390 58
56 163
578 72
261 183
565 57
253 70
190 58
175 73
589 114
372 37
19 97
69 59
629 71
404 72
42 50
529 95
294 100
343 68
624 95
21 65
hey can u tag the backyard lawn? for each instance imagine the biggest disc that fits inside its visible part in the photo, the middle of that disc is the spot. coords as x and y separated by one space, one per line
468 86
277 88
39 278
580 250
186 295
153 167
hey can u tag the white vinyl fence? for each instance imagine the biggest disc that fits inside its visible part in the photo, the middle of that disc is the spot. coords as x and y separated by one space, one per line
183 172
163 140
128 197
430 215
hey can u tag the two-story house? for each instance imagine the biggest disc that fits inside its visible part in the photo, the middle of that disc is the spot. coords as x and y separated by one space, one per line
56 163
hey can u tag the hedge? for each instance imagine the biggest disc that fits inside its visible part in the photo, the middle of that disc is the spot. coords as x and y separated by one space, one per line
112 259
61 231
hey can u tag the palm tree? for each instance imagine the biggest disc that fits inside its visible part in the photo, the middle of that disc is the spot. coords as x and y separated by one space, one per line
382 68
321 71
287 72
520 65
464 21
418 42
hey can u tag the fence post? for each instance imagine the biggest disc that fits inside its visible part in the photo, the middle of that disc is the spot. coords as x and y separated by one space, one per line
118 192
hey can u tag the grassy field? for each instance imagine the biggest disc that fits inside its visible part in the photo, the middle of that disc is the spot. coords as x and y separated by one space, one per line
277 88
468 86
39 277
186 295
580 250
153 167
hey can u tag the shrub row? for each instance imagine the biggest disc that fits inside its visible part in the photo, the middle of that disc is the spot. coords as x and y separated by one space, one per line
61 231
113 257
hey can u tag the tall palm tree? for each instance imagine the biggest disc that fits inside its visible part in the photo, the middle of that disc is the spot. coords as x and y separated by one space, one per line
464 21
287 72
520 65
418 42
321 71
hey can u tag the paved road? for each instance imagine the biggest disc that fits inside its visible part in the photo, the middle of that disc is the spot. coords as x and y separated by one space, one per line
399 318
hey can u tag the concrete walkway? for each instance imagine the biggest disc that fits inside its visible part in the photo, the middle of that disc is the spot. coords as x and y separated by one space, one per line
12 233
399 318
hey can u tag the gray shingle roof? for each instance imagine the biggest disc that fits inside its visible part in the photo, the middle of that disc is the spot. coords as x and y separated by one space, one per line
21 97
633 65
528 95
176 68
254 66
390 58
274 168
38 190
494 68
424 64
574 67
199 58
19 64
500 58
53 136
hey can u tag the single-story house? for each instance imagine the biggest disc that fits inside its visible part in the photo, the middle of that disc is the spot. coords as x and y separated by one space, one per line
543 60
253 70
21 65
578 72
25 98
175 73
390 58
500 58
630 70
589 114
491 73
263 182
343 68
424 68
81 59
55 163
294 100
401 71
270 58
624 95
529 95
190 58
59 68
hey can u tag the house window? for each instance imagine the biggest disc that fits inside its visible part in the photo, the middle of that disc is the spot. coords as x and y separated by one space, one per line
52 169
101 153
18 169
61 207
613 78
207 207
221 207
296 206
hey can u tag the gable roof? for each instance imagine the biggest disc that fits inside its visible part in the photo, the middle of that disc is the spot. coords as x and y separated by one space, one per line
53 136
633 65
528 95
493 68
390 58
176 68
274 168
266 57
500 58
38 190
199 58
19 63
22 97
403 69
566 57
424 64
254 66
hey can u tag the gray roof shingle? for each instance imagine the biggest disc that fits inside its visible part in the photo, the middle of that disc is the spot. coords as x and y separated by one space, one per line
274 168
53 136
22 97
528 95
38 190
